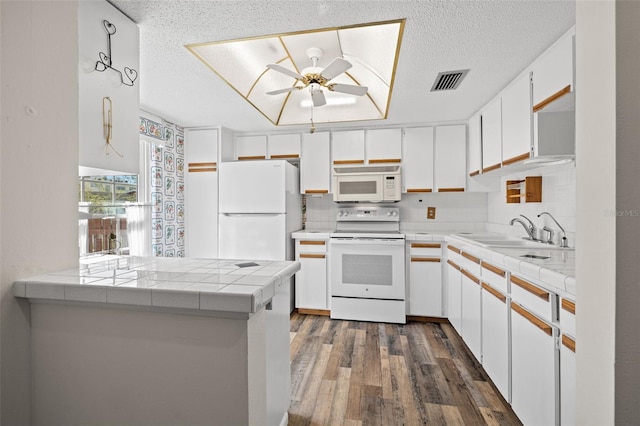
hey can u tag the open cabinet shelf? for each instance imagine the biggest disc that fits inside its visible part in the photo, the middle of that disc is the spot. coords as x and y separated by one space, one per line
528 189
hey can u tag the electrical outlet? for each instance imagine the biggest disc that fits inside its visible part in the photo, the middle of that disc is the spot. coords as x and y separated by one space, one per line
431 212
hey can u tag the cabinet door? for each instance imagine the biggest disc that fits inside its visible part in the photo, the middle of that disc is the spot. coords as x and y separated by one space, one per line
284 146
567 381
533 368
311 279
471 313
315 168
384 146
495 338
425 286
201 193
251 147
454 296
516 121
450 158
347 147
553 71
417 159
492 136
475 145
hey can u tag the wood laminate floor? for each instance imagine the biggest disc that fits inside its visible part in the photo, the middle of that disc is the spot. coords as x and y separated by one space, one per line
360 373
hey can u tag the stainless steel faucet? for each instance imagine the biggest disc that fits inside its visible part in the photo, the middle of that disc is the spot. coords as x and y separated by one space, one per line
530 227
563 241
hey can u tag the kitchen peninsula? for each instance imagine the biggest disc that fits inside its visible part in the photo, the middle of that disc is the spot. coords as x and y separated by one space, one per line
137 340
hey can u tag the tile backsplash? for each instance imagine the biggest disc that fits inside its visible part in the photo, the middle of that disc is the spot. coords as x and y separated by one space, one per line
558 198
454 211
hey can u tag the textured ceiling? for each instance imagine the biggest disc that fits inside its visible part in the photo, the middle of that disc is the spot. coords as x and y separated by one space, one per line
496 40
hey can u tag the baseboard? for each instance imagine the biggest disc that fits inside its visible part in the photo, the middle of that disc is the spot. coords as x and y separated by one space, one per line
323 312
416 318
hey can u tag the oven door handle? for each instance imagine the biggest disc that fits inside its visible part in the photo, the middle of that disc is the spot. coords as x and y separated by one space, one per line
361 240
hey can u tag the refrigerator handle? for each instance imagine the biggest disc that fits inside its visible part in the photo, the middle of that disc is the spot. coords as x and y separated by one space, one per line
251 214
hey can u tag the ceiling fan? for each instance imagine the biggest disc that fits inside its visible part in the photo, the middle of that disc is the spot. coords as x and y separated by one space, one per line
316 78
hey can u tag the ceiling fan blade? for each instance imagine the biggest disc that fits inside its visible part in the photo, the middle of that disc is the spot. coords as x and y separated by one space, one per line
348 88
286 71
287 90
318 99
336 67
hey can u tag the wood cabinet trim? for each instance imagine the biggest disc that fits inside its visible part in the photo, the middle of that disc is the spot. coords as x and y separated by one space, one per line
312 243
316 191
470 276
569 343
426 245
209 164
450 189
252 157
342 162
490 168
323 312
515 159
202 169
454 249
474 173
494 269
453 264
285 156
532 318
568 306
384 160
311 256
494 292
560 93
419 190
425 259
470 257
531 288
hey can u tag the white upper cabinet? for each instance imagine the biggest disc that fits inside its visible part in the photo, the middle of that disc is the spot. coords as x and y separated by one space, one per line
417 159
516 121
475 145
553 72
492 136
109 93
284 146
347 147
383 146
201 146
315 166
450 158
251 147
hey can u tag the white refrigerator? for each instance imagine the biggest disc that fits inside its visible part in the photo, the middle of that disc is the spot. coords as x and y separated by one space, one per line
259 207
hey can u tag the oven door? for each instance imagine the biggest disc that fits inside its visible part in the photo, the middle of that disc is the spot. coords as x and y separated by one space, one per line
367 268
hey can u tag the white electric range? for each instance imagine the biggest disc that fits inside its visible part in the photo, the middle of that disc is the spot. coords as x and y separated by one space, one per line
367 264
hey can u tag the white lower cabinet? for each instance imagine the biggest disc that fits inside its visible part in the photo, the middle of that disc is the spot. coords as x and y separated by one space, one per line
534 368
471 313
311 279
454 291
425 279
568 380
495 338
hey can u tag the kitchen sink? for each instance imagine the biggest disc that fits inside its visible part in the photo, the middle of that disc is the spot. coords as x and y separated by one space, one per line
506 241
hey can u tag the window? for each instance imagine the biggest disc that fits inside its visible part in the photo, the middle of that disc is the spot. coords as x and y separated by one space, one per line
106 189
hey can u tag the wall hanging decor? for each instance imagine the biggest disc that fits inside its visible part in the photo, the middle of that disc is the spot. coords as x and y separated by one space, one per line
107 125
127 75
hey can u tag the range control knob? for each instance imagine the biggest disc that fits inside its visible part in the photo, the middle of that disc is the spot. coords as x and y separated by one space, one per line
394 213
389 213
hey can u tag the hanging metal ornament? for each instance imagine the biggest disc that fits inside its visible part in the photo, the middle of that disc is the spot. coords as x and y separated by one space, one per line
127 75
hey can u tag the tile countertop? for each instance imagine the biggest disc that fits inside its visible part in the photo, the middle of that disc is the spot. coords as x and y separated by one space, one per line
556 272
211 285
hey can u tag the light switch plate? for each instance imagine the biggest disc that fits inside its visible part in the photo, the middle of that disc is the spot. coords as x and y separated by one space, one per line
431 212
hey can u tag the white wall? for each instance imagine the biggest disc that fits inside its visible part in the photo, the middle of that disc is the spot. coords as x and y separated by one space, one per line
596 194
454 211
38 171
558 198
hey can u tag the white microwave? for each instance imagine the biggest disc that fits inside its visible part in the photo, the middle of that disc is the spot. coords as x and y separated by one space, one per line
367 184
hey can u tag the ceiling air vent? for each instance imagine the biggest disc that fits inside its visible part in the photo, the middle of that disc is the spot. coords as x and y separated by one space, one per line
448 80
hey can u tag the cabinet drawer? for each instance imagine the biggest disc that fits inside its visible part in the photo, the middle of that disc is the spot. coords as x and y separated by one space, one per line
495 276
311 246
453 253
470 262
568 316
426 249
536 299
